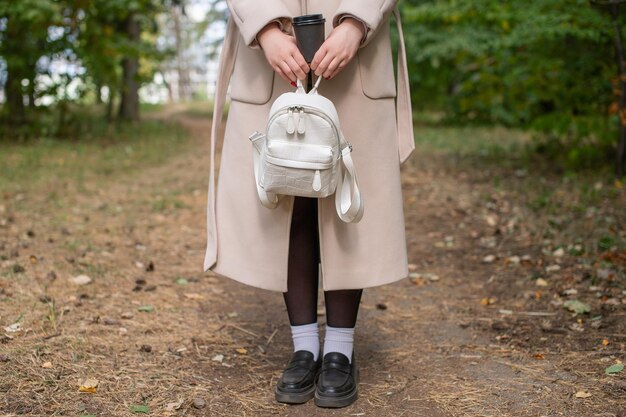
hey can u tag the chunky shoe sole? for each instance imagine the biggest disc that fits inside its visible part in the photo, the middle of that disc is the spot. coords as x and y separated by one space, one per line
294 397
339 401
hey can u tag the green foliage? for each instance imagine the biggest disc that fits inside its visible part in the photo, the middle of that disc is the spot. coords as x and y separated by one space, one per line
89 35
545 65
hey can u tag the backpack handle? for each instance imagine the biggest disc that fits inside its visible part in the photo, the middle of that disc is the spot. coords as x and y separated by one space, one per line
300 87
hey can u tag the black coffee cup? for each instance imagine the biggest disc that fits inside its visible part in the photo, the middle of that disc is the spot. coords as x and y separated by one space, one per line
310 34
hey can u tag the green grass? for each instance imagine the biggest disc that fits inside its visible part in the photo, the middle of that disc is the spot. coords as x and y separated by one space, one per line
505 160
107 151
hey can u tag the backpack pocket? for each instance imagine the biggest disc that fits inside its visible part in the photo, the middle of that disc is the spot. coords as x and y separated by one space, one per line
299 169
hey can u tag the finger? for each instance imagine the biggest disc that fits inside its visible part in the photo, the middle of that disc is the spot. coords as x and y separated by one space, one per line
288 72
341 66
323 66
332 67
318 57
301 62
282 74
296 68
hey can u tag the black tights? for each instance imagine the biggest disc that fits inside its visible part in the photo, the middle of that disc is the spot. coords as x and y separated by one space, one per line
342 306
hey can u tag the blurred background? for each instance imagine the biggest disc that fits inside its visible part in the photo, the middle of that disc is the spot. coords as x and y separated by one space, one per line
513 201
547 67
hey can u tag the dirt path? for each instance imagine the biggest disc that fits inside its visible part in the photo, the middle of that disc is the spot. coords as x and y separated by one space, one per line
476 337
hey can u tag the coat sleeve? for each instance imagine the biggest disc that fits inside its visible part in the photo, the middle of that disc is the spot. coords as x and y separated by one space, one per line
250 18
370 12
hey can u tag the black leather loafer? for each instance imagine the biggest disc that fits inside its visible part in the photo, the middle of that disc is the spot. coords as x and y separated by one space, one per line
297 383
337 381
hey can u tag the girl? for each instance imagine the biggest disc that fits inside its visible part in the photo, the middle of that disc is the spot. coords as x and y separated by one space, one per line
289 248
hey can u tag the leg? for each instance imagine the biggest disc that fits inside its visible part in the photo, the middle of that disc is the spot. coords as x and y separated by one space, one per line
342 307
297 383
337 385
302 280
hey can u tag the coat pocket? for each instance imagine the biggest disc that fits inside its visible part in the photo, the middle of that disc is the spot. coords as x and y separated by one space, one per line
376 65
253 78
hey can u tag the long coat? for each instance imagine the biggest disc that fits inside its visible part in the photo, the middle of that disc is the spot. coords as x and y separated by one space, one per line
249 242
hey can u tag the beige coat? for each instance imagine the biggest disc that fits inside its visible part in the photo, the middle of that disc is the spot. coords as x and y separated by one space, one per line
248 242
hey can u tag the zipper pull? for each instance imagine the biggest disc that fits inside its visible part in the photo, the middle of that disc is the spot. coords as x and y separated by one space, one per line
290 123
301 122
317 181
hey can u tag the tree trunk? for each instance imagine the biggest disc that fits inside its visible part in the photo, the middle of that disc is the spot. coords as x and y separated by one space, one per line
621 72
184 79
14 96
129 106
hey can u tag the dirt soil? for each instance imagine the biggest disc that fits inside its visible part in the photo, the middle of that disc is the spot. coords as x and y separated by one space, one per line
479 329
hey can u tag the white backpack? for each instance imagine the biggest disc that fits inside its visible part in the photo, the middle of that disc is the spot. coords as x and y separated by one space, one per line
300 152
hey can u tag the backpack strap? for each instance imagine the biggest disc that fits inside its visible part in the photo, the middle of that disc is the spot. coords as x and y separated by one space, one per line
268 199
348 200
404 113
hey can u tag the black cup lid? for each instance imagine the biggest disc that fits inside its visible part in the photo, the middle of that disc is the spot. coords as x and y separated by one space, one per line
309 19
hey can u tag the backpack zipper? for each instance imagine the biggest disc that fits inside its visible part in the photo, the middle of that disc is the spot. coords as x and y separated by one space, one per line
311 110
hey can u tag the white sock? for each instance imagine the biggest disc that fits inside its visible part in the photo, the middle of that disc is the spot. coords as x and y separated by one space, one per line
339 339
306 337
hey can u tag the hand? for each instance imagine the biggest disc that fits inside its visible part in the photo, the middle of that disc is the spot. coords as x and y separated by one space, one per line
282 53
338 49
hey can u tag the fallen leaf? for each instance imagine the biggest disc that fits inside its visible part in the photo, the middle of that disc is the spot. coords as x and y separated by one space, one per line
218 358
553 268
13 328
243 351
138 408
146 309
194 296
89 385
577 307
174 406
582 394
488 301
540 282
613 369
538 355
489 259
46 365
559 253
181 281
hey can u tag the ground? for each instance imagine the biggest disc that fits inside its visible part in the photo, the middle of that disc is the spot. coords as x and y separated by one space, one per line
479 329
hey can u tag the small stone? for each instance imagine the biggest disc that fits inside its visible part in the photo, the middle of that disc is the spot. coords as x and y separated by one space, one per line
46 365
489 259
4 358
198 403
146 348
127 315
513 260
218 358
540 282
381 306
553 268
559 253
109 321
81 280
44 298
